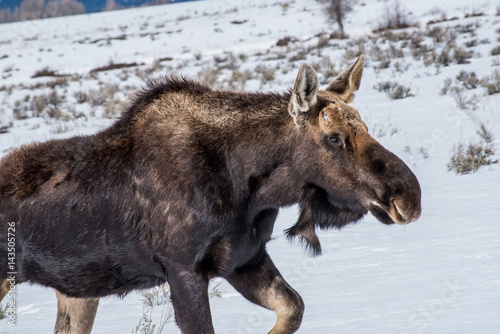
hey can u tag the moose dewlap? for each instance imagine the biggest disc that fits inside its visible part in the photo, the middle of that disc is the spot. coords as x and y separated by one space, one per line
186 186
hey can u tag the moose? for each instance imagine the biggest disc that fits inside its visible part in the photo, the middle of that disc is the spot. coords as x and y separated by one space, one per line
185 186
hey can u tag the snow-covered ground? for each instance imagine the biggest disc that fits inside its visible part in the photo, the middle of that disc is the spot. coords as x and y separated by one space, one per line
438 275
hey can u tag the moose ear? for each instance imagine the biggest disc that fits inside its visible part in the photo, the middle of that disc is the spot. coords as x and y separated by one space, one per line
348 81
303 93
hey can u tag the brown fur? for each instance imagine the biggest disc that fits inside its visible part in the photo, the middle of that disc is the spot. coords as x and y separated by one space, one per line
186 186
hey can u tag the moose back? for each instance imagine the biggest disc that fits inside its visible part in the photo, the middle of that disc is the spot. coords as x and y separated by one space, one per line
186 186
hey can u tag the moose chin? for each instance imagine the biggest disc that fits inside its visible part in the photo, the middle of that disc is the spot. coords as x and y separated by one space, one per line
185 186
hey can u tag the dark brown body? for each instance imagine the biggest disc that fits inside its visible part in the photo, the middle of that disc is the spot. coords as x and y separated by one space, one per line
184 187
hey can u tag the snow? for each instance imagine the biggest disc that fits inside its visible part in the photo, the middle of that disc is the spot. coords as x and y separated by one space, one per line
438 275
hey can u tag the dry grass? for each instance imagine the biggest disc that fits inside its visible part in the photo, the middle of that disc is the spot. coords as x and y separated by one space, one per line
463 101
155 297
485 134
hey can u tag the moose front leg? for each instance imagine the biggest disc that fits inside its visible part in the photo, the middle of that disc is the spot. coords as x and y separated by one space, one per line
264 285
189 292
75 315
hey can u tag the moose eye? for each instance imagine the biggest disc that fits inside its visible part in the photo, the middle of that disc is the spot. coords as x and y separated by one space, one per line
335 139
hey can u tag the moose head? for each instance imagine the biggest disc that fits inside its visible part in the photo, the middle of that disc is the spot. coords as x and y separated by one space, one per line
346 172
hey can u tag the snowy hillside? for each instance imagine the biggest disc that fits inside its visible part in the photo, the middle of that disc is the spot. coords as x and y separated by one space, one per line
67 76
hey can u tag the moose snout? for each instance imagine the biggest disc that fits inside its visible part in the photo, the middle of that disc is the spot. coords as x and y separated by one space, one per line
405 207
399 193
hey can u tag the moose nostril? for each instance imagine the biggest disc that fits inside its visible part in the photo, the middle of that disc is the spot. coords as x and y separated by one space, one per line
409 212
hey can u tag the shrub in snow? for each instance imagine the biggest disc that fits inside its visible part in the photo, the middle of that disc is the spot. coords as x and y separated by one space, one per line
469 159
444 58
394 90
446 87
395 16
465 160
495 51
45 72
460 56
492 83
3 314
485 134
461 98
468 79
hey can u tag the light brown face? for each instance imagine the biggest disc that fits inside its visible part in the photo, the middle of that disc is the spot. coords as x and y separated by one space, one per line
339 118
339 155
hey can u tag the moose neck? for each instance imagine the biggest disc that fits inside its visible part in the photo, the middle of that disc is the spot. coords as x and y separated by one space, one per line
261 156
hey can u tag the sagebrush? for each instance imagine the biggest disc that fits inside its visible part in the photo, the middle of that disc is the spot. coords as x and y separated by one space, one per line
468 159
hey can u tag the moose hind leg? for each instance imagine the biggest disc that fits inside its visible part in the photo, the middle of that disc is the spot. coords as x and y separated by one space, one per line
75 315
264 285
4 288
